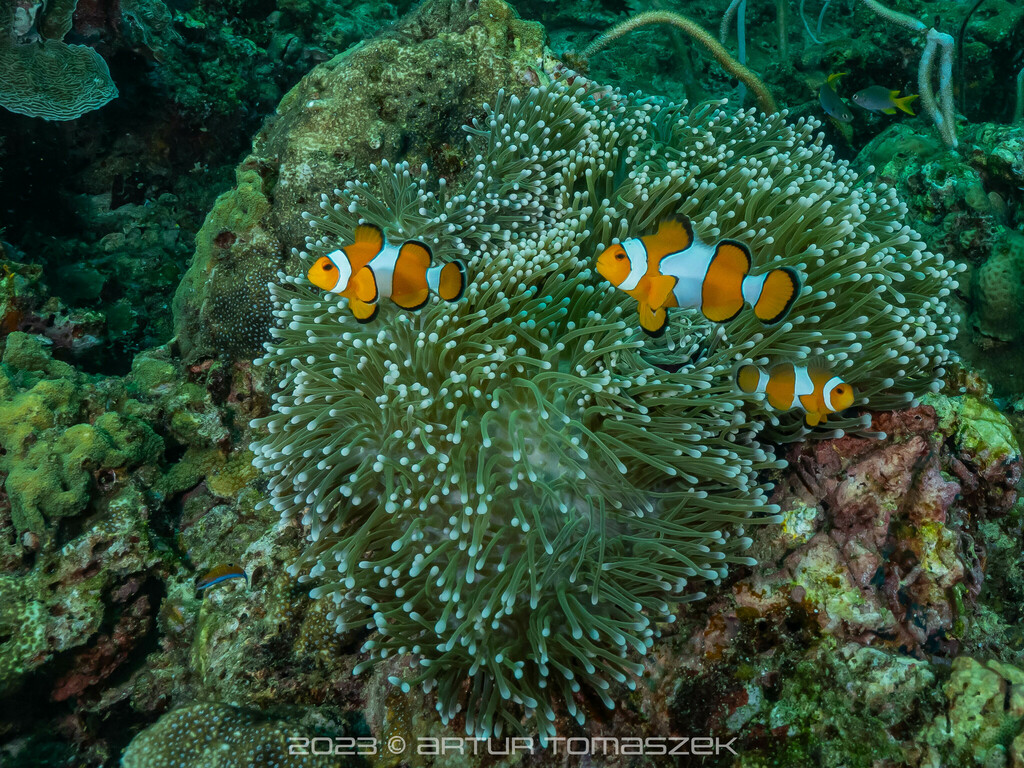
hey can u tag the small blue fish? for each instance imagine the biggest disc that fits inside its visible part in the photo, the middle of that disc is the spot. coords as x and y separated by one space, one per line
834 106
220 573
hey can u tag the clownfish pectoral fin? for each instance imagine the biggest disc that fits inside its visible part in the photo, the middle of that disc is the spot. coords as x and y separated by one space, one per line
659 288
362 311
778 292
722 290
410 289
364 285
371 235
652 320
813 418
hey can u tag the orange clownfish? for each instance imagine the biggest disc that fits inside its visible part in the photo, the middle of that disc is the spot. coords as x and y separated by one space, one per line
813 388
373 267
674 269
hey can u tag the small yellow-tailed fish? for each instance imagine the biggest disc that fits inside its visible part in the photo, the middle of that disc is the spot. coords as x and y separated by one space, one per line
812 388
673 268
372 267
220 573
833 105
878 98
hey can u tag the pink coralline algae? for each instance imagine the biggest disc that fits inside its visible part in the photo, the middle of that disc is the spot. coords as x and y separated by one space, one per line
872 548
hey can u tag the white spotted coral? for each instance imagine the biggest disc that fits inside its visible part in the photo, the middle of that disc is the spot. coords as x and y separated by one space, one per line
515 489
221 736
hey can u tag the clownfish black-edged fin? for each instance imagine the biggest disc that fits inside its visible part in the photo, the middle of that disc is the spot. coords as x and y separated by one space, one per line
747 378
411 267
451 282
780 290
653 321
722 291
362 311
364 284
371 235
674 234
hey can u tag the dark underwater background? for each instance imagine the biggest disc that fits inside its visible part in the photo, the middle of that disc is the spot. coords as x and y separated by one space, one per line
883 623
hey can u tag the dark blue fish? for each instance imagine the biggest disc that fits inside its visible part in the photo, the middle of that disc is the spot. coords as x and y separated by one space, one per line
834 106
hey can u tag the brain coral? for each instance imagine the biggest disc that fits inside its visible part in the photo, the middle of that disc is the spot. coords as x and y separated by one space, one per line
998 290
516 490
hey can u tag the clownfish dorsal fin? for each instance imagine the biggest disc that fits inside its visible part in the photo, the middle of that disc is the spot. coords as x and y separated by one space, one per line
370 235
421 250
819 363
677 225
673 235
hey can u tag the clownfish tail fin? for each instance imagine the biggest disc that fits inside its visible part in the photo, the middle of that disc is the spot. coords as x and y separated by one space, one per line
748 378
448 280
778 292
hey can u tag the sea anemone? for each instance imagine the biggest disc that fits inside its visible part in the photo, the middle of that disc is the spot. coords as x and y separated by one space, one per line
516 489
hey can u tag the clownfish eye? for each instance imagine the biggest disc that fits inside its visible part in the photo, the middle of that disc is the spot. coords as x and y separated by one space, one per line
841 390
328 267
620 256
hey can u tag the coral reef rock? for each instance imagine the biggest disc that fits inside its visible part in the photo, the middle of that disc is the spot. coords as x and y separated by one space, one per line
403 95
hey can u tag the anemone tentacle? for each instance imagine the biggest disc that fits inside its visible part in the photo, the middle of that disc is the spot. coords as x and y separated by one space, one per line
519 488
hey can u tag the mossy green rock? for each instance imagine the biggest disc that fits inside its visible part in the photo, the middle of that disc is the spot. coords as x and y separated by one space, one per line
401 96
982 433
66 598
53 447
985 709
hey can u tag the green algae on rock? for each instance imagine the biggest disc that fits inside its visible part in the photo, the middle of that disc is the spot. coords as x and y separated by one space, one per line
475 475
985 712
70 599
51 454
983 435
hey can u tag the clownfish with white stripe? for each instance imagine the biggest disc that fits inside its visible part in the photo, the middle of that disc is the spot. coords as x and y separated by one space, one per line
672 268
372 267
813 388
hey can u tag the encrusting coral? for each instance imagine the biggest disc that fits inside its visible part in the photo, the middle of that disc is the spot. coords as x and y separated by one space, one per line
518 488
218 735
